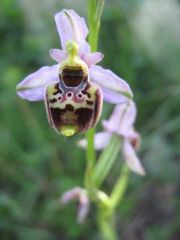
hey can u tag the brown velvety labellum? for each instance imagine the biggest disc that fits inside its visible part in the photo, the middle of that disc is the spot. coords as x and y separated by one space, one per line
73 103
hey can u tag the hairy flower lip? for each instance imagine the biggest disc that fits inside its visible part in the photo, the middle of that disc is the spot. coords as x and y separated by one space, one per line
69 121
70 27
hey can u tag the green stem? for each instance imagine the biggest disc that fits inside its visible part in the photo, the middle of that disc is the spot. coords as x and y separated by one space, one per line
95 175
106 160
120 187
91 157
95 8
106 225
90 152
105 218
106 214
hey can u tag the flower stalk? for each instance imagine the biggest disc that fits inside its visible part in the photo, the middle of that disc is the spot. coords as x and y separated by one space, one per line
106 217
106 225
106 161
94 6
96 174
120 187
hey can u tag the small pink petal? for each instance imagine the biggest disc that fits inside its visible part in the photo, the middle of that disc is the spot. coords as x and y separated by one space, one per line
108 79
72 27
122 118
83 208
71 195
113 97
79 194
101 140
33 86
134 138
92 58
129 117
131 158
57 55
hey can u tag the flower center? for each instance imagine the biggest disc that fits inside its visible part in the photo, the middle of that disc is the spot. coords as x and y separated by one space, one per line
72 50
73 70
73 76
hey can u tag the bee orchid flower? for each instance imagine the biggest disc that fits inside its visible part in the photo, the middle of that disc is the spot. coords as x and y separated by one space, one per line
121 123
74 88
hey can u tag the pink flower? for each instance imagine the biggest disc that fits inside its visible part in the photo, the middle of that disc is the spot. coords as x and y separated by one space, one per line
121 123
42 84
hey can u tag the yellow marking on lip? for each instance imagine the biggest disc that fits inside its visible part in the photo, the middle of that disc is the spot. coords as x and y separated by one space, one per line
71 102
68 131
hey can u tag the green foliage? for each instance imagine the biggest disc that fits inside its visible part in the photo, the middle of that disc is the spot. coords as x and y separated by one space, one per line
37 165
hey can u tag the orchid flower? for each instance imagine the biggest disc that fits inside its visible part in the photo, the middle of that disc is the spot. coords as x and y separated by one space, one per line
77 193
73 88
121 123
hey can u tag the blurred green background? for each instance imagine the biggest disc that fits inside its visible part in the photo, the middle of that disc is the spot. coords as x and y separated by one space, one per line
141 43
